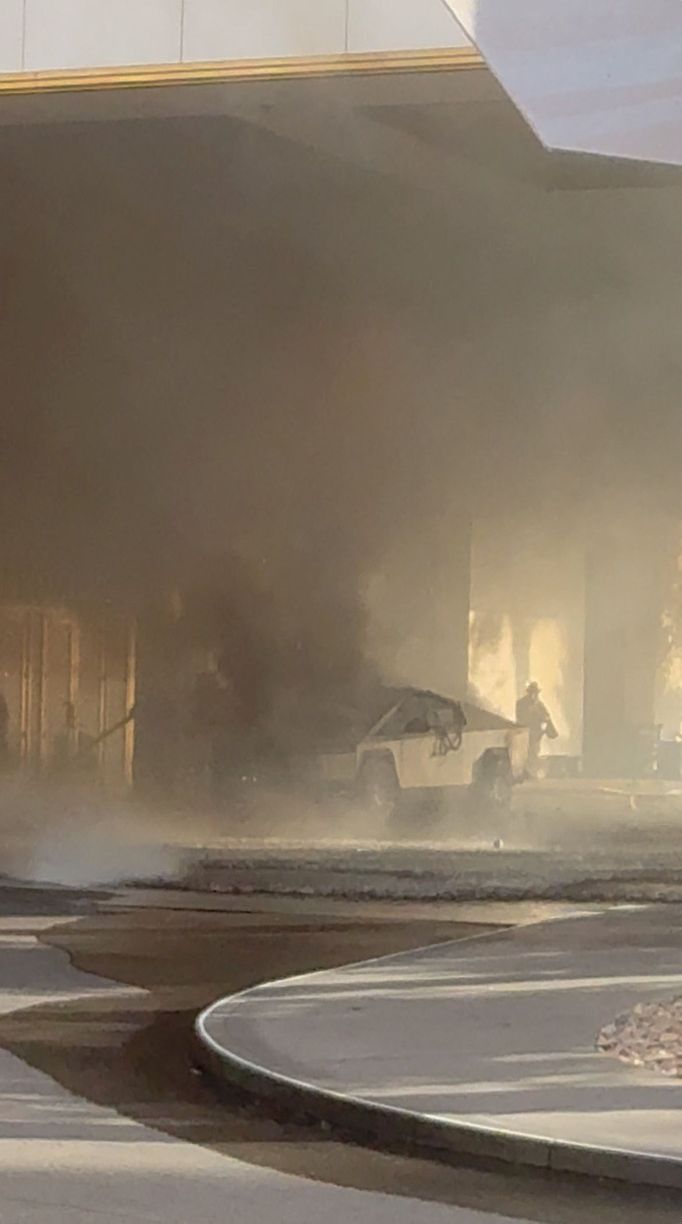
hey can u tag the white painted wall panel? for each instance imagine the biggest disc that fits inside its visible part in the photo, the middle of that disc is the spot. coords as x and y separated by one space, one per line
402 25
101 33
11 34
259 29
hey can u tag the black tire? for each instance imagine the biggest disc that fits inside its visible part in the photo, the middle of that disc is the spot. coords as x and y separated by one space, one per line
500 793
492 783
379 786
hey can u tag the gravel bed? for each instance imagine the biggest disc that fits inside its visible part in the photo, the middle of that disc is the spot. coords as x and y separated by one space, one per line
650 1035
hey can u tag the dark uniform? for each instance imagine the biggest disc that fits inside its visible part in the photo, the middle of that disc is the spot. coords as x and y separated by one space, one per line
531 712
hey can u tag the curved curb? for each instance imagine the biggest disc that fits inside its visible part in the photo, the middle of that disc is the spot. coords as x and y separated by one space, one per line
392 1128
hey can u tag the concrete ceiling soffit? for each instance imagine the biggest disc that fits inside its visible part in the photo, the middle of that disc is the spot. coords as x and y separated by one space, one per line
590 76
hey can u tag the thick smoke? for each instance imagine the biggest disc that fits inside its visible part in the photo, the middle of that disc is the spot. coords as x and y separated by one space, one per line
234 367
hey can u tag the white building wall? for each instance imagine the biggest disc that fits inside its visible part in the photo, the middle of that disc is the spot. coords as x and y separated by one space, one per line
102 33
11 34
262 29
44 35
401 25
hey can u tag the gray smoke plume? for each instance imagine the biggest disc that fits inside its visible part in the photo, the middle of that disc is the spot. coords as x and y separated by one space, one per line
216 344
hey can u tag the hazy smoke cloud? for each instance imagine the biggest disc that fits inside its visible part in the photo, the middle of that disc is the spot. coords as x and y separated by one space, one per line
216 344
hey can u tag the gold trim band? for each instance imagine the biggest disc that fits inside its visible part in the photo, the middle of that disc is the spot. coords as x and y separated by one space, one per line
156 75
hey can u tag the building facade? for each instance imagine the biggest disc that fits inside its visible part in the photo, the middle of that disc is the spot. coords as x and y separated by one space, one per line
66 680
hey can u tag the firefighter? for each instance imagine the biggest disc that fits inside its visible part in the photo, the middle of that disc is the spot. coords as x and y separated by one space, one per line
531 712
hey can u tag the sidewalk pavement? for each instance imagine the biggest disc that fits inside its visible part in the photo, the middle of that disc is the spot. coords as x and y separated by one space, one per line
483 1046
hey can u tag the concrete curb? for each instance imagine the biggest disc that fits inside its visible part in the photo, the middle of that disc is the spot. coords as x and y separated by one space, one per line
395 1129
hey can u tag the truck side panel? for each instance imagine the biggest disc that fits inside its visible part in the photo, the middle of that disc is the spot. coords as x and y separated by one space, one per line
421 764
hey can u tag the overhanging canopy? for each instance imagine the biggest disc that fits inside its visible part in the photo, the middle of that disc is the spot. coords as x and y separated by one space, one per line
590 76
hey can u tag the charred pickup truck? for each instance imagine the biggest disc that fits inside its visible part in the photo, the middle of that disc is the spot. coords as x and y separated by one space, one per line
429 747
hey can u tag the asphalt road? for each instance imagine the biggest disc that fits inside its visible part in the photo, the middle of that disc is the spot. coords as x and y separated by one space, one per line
573 844
135 1055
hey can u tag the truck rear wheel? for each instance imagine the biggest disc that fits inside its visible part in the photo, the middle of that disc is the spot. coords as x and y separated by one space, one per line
492 782
379 786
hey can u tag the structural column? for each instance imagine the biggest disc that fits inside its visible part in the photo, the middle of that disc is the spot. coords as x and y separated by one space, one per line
418 607
625 577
